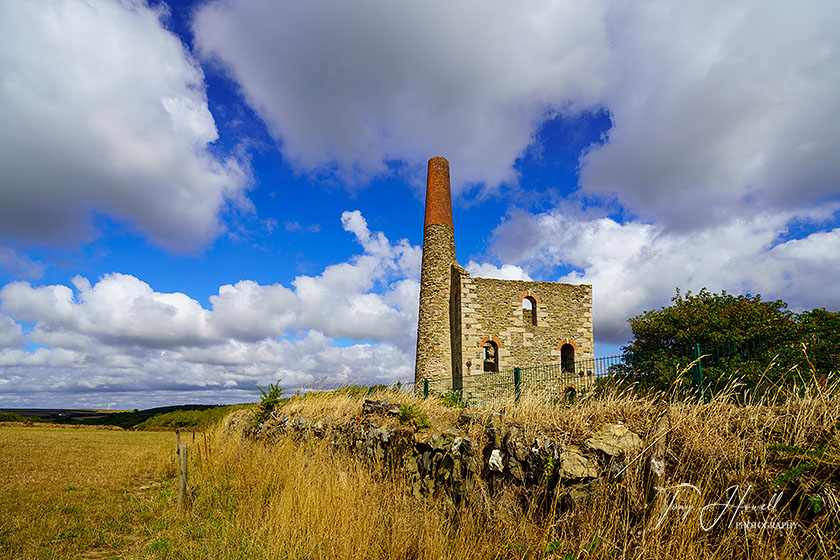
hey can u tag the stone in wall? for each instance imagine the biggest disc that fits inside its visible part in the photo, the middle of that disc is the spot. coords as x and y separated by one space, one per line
614 440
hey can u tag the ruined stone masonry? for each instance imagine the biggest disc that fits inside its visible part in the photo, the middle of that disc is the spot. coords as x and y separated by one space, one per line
451 462
469 327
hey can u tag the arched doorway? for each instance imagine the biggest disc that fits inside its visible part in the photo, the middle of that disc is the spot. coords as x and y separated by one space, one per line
567 358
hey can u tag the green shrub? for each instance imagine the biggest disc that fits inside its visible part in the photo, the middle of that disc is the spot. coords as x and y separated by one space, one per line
268 401
452 399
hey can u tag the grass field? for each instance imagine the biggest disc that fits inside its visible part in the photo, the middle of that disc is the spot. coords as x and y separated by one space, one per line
82 493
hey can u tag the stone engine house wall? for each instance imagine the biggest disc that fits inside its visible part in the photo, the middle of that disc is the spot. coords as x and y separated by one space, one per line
493 310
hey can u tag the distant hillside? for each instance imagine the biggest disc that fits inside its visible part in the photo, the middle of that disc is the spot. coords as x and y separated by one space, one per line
165 417
10 416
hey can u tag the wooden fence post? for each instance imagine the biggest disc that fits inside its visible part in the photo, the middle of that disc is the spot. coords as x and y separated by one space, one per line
655 467
182 476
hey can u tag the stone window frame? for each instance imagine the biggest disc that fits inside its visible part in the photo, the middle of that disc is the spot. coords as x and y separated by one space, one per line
535 300
496 342
563 365
567 341
492 339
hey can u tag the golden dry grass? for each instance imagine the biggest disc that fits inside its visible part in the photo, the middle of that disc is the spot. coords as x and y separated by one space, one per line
308 500
305 499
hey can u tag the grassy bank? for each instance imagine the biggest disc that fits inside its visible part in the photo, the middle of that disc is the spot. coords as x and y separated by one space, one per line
306 500
200 419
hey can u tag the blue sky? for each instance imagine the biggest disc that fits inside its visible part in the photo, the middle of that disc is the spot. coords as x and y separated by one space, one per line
198 198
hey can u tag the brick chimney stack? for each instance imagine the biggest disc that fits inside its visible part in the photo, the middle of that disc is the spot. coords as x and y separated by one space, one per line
434 350
438 194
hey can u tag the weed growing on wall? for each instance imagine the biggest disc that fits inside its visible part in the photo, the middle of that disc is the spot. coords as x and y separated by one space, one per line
410 414
453 399
269 400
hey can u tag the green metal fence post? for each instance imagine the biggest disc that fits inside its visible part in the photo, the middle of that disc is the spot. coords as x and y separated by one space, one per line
698 372
517 377
425 388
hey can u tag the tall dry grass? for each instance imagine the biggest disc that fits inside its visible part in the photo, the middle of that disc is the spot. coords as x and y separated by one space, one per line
306 499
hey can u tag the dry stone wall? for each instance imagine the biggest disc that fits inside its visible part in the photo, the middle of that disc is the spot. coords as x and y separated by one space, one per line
453 463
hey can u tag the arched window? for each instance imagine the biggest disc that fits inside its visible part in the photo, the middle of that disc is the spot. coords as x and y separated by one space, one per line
490 351
567 358
529 310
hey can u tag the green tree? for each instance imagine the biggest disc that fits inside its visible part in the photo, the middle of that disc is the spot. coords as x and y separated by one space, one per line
269 400
819 320
709 318
820 339
740 334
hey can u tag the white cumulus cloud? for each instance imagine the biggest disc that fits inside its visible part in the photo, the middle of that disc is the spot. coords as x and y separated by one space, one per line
10 333
719 110
104 110
354 85
636 266
118 336
503 272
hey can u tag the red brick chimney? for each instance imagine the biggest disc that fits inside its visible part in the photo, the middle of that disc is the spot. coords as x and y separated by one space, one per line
438 194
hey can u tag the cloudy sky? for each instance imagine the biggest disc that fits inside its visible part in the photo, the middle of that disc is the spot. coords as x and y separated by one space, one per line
198 198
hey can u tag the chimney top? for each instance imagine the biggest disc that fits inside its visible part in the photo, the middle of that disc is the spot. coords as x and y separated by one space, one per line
438 194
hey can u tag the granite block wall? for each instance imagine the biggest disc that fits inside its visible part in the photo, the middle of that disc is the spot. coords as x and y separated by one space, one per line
469 326
493 310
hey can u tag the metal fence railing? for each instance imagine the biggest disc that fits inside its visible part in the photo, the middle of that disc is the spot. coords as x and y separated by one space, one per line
756 364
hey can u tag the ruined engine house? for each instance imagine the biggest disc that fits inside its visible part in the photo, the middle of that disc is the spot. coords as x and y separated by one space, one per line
469 326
